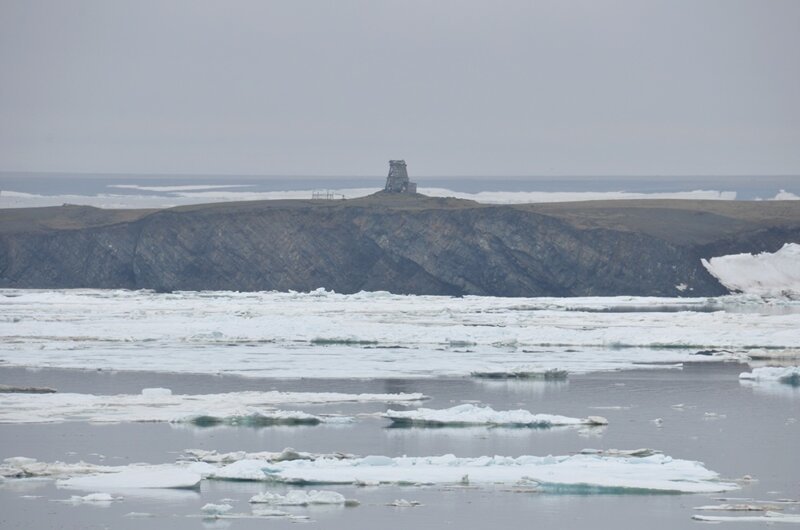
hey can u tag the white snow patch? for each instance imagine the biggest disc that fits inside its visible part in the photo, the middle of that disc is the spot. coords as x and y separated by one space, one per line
160 405
402 503
766 274
469 414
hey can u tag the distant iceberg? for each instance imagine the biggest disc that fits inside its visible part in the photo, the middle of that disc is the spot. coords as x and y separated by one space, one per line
767 274
469 414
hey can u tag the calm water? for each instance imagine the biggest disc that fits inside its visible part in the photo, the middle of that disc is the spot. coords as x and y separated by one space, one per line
755 431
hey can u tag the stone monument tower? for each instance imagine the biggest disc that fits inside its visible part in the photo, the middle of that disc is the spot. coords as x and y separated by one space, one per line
397 181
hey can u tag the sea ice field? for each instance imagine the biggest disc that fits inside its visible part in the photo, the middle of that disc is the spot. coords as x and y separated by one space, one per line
243 410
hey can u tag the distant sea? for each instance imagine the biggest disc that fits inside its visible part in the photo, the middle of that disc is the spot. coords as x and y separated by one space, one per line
136 190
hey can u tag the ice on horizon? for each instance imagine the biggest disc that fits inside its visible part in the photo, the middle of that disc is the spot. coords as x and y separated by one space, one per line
190 194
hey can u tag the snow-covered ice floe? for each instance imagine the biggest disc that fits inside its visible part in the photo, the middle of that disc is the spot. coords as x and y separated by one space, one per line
575 473
789 375
584 473
375 335
770 274
160 405
469 414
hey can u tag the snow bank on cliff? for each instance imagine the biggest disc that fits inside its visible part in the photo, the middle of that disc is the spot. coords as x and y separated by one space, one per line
775 274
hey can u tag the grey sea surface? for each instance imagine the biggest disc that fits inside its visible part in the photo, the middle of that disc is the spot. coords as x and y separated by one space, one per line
706 414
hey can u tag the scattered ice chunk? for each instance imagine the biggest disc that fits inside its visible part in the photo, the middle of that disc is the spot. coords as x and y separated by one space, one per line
402 503
769 274
98 498
789 375
216 509
299 498
156 392
138 515
469 414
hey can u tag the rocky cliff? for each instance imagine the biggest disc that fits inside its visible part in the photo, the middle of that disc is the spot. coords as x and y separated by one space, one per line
409 244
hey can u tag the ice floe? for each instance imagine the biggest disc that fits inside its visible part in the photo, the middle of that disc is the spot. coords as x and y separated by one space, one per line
299 498
575 473
93 498
789 375
160 405
766 274
469 414
136 477
216 509
367 335
591 472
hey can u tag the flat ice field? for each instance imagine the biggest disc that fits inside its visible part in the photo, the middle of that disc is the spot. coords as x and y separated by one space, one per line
368 335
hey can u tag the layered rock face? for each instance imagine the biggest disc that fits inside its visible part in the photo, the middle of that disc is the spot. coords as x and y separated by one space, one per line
405 244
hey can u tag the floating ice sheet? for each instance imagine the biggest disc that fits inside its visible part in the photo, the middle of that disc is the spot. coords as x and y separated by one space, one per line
368 335
576 473
619 472
160 405
469 414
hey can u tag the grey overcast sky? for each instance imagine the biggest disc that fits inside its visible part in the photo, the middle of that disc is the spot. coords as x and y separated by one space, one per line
561 87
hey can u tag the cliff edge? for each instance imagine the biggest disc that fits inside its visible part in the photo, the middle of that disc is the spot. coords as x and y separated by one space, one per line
400 243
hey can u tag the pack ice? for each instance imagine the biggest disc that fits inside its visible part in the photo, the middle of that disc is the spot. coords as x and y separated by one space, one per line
470 414
369 335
